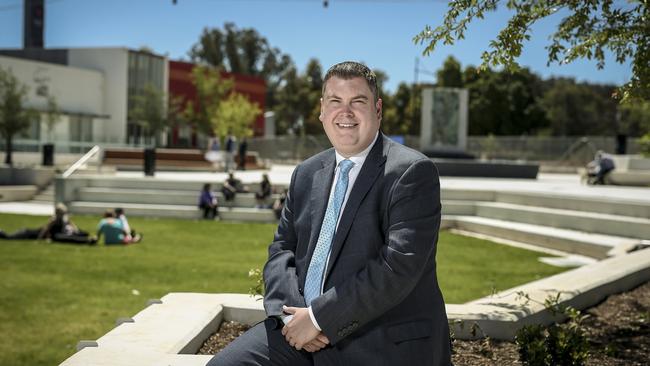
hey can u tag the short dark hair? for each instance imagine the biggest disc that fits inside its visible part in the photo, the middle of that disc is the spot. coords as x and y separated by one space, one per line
119 211
351 69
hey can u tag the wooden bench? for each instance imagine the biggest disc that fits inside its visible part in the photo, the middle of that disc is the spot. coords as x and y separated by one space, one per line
178 158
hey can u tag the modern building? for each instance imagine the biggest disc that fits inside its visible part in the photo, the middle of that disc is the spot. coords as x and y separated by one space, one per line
180 85
124 75
79 94
95 89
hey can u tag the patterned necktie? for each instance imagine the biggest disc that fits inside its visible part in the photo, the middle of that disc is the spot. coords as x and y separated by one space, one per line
327 230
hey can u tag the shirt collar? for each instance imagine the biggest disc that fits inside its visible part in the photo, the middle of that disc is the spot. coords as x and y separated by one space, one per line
360 157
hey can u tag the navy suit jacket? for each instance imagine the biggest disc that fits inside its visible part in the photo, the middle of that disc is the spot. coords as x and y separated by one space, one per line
381 304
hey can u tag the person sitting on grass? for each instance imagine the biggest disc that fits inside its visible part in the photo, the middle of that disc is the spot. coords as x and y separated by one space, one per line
119 214
59 228
208 202
113 231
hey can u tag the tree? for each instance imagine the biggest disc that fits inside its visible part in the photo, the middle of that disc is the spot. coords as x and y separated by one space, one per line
504 103
152 111
590 28
313 82
450 76
236 114
574 109
396 119
291 107
242 51
634 119
52 115
15 118
211 89
220 110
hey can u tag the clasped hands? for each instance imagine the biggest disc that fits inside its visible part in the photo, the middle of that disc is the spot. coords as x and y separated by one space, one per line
301 333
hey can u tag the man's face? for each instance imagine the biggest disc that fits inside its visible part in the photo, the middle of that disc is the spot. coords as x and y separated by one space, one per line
349 114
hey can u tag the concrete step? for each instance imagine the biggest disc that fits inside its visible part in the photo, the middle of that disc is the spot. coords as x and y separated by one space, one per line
571 241
602 205
169 197
45 195
597 223
172 211
458 207
170 184
449 194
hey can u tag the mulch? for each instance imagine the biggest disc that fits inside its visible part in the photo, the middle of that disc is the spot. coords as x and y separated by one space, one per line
618 330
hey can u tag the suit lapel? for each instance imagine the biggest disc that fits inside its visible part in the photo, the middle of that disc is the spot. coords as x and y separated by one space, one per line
366 178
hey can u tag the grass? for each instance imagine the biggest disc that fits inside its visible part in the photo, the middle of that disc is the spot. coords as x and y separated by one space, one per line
53 295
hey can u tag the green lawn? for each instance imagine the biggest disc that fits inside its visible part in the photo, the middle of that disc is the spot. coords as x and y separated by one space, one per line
53 295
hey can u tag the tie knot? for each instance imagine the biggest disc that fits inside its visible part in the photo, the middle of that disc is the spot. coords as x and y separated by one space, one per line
345 166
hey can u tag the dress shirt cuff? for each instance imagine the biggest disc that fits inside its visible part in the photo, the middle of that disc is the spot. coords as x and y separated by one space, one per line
313 319
286 318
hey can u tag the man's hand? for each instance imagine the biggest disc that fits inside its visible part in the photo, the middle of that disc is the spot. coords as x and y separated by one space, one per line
301 333
317 344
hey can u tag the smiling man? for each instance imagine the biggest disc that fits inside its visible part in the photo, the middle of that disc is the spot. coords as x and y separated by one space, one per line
351 275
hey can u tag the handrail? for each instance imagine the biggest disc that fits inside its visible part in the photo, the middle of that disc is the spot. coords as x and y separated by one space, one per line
81 161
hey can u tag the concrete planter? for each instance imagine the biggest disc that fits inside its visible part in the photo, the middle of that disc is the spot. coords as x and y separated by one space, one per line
170 330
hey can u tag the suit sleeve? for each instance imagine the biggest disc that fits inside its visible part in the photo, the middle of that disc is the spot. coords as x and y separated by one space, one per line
280 277
414 214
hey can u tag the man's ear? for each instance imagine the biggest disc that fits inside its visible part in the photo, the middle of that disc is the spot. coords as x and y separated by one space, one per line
320 116
378 107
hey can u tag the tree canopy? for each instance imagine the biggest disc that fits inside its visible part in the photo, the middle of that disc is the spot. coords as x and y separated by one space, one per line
242 51
220 110
15 117
587 31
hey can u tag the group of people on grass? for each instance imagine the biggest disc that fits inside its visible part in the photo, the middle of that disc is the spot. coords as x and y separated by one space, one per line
209 203
114 227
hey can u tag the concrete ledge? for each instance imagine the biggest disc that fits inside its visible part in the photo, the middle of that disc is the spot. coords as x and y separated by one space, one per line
570 241
17 193
38 176
629 178
165 333
170 332
501 315
626 226
168 197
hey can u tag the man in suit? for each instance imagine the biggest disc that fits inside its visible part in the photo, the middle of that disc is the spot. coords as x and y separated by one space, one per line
351 275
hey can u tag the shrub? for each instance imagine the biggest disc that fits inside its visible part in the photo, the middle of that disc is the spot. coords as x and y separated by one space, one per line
644 145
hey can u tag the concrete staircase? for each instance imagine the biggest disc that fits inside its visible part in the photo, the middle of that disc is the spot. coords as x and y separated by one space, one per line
596 227
161 198
592 226
45 195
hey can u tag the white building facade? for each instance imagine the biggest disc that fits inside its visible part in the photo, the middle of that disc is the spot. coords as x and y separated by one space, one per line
94 89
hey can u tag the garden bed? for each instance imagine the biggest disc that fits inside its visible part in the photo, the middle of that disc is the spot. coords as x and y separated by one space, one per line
618 330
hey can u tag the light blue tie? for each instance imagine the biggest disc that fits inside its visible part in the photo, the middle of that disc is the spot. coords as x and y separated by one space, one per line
327 230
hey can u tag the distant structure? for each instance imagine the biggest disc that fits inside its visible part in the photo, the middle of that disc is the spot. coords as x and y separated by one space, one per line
443 130
33 23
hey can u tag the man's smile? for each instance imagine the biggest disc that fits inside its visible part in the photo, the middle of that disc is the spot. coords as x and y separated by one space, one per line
346 124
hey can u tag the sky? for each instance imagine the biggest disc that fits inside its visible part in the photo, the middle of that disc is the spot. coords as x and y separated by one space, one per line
376 32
